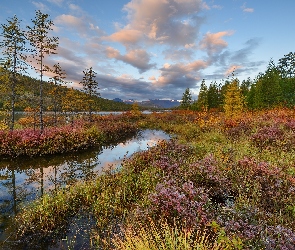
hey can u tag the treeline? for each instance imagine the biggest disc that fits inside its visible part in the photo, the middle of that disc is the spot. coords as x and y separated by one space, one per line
24 49
27 97
273 88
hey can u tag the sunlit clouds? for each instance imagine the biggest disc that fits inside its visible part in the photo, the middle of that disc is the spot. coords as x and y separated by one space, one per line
213 43
149 49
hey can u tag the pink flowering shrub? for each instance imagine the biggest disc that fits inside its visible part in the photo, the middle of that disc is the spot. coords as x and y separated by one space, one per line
267 137
80 135
185 203
195 192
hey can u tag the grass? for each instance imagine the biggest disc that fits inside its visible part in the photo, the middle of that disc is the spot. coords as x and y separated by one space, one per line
228 180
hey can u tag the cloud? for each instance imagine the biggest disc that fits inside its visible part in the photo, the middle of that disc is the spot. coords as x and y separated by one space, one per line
224 62
40 6
160 21
232 69
219 7
180 75
243 54
125 36
57 2
69 20
138 58
245 9
213 42
126 88
175 54
82 25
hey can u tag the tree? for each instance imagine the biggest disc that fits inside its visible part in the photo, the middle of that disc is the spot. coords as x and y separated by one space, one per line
246 86
72 102
202 103
213 96
268 92
233 99
43 45
13 48
90 87
186 99
57 91
286 67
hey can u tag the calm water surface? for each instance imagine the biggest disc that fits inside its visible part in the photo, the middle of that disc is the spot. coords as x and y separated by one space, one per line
23 180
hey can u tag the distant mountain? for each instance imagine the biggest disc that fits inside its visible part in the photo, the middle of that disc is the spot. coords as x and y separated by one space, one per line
157 103
166 103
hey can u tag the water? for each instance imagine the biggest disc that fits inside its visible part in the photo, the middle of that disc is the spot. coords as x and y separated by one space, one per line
23 180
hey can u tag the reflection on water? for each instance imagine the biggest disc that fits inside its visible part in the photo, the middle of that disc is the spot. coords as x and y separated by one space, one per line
25 179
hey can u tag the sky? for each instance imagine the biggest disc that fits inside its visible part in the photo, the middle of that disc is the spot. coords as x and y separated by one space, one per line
155 49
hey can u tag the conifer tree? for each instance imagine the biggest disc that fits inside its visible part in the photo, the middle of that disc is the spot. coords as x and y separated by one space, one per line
233 99
186 99
43 45
13 49
286 68
213 96
57 90
268 92
90 87
202 103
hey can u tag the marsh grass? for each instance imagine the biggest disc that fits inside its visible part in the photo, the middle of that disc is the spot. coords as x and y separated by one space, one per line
237 175
163 236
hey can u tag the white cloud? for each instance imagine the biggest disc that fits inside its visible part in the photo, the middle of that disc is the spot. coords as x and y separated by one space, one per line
40 6
57 2
245 9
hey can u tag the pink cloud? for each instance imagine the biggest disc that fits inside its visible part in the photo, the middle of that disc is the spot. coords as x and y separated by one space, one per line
231 69
160 21
69 20
213 42
125 36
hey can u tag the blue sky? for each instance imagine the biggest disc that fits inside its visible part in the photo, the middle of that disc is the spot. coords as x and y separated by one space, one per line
155 49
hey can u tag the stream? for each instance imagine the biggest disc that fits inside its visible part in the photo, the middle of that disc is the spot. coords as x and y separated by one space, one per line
25 179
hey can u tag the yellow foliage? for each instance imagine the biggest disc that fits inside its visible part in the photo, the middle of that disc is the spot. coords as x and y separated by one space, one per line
233 100
3 125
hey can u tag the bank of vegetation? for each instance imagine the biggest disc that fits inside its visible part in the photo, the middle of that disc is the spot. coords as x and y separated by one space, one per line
222 183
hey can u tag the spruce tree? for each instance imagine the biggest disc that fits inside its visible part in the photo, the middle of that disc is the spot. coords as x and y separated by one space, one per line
90 87
57 90
13 49
43 45
186 99
202 103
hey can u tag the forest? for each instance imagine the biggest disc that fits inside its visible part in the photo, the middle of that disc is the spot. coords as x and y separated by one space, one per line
273 88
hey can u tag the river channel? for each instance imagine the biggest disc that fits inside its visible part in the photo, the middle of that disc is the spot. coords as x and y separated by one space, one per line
23 180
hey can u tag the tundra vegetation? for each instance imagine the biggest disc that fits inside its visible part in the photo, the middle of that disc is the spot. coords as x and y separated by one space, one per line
226 180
